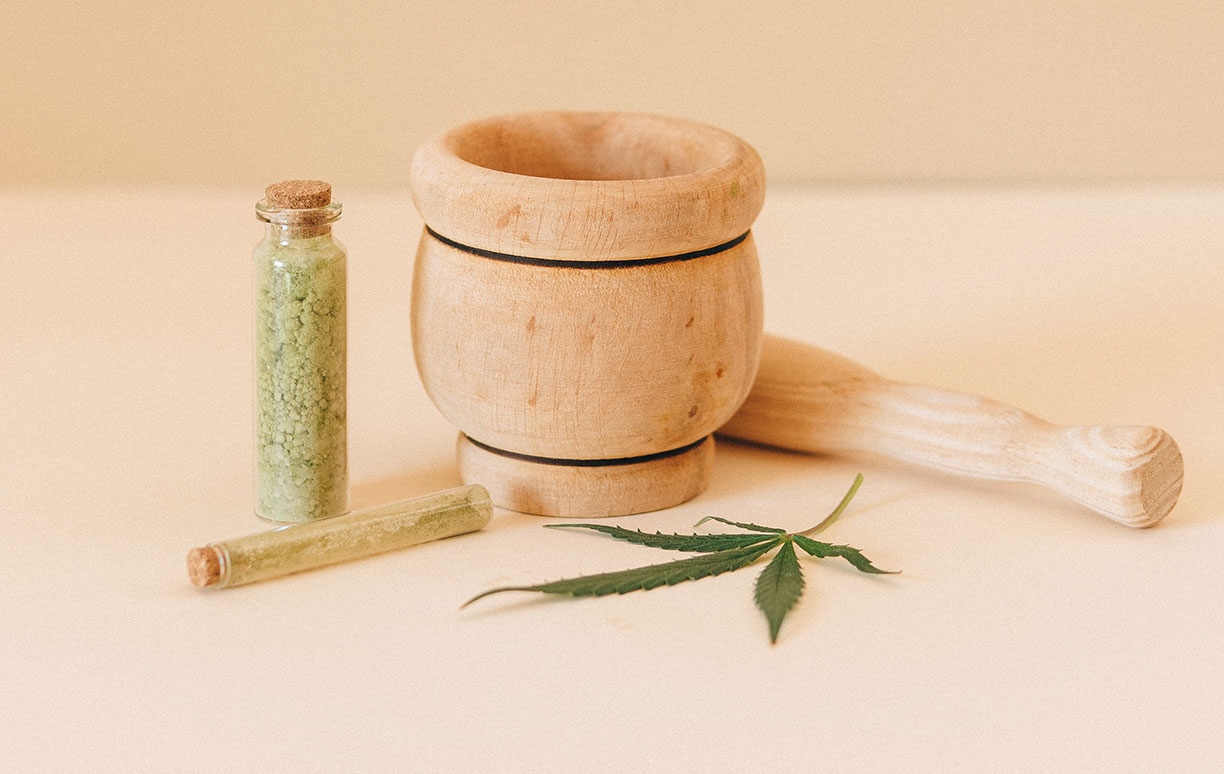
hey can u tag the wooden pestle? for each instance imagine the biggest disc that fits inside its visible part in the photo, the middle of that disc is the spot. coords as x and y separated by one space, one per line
809 399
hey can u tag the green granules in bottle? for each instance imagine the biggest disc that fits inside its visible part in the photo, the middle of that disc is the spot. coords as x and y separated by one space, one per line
301 459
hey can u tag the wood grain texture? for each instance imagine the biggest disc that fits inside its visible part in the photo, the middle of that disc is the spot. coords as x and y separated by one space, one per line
586 364
587 492
594 359
808 399
588 186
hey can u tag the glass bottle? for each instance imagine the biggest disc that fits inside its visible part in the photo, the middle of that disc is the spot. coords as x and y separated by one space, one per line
301 436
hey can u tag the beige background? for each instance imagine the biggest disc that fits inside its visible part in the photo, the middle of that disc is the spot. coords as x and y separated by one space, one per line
1025 634
837 90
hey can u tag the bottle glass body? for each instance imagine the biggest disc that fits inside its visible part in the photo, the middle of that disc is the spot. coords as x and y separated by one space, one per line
301 438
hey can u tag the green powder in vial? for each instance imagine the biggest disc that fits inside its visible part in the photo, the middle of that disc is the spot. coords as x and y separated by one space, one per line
301 466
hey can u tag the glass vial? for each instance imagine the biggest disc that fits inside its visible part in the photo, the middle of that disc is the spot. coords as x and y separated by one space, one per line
354 535
301 435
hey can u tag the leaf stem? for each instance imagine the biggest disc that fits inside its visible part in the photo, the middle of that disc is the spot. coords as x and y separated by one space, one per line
832 517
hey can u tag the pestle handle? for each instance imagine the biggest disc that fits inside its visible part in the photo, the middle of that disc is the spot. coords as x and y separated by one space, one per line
808 399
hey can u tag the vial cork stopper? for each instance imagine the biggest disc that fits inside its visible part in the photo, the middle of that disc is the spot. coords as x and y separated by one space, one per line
298 194
203 566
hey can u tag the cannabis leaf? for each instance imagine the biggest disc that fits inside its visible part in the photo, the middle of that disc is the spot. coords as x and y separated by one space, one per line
742 525
778 587
643 578
849 553
672 542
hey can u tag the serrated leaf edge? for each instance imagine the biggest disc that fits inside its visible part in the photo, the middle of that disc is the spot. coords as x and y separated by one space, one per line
743 525
851 554
736 558
696 543
770 601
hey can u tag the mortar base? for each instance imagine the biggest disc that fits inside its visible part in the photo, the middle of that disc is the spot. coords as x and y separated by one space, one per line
586 491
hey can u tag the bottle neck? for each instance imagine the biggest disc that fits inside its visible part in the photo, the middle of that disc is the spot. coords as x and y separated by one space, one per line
282 233
286 225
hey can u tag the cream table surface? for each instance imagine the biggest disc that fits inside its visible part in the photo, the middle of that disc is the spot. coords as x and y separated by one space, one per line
1025 633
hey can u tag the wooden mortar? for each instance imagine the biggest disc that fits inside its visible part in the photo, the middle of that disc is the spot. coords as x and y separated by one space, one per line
587 309
587 303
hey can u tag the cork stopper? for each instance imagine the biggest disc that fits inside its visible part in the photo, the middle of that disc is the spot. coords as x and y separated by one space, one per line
203 566
299 194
